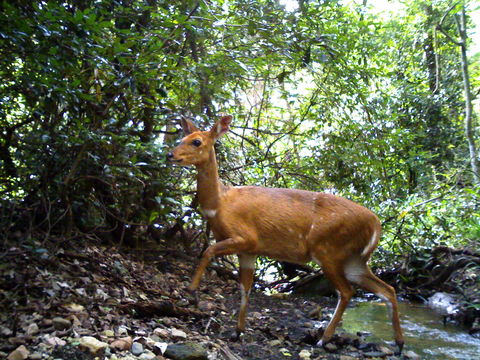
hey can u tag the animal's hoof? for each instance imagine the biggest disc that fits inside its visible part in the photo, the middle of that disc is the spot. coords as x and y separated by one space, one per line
400 348
236 335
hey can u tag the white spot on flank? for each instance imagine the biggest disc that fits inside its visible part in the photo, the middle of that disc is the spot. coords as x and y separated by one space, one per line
209 212
371 245
354 270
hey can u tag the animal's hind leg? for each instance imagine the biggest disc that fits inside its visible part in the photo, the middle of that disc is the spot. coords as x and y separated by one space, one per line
371 283
345 292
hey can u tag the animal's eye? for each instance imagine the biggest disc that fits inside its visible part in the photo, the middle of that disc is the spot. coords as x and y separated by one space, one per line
196 143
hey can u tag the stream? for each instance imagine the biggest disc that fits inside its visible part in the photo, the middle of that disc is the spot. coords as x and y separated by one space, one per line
423 328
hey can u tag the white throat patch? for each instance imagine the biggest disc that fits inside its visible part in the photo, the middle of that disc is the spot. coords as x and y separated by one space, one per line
210 213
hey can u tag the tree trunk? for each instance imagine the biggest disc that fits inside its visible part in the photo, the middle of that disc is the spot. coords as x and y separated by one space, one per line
469 130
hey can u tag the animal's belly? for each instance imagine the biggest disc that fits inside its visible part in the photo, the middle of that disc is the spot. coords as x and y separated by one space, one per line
288 250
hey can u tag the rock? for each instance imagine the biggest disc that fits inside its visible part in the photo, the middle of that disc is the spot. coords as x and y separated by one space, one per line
159 348
178 333
108 333
20 353
446 304
206 306
347 357
256 315
54 341
163 333
32 329
147 355
122 330
92 344
374 354
75 321
122 344
60 323
386 350
35 356
275 343
331 347
17 340
186 351
305 354
411 355
74 307
137 348
5 332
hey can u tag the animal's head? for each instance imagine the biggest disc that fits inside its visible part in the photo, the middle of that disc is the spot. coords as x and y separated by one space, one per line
195 147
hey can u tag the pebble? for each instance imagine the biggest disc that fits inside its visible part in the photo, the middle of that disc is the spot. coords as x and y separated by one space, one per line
5 332
386 350
148 355
35 356
163 333
305 354
160 347
92 344
186 352
374 354
331 347
122 344
411 355
137 348
20 353
60 323
32 329
178 333
206 306
275 342
108 333
54 341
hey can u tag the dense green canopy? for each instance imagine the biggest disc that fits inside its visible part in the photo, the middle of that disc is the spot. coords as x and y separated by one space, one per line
326 95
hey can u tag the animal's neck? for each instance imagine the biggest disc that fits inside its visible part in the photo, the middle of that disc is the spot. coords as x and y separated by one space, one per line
208 184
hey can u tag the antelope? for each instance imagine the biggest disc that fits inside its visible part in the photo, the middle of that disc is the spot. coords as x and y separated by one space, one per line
290 225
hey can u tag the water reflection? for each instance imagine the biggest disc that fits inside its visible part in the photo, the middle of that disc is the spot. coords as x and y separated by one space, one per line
423 330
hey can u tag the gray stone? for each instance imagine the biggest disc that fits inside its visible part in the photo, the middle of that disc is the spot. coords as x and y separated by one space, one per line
186 351
374 354
411 355
61 323
137 348
331 347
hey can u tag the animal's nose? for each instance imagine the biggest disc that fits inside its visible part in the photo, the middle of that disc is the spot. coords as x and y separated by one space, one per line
170 155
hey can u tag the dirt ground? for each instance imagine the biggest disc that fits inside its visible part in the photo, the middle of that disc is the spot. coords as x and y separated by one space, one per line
52 300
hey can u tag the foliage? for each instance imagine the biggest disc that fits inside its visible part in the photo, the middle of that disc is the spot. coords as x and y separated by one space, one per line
329 96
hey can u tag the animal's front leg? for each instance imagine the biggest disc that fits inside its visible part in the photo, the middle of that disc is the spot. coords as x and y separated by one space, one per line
225 247
247 270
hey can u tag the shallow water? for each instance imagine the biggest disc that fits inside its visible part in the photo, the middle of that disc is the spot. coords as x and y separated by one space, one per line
423 329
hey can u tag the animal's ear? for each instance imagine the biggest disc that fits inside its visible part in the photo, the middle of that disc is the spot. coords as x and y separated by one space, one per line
188 126
221 127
